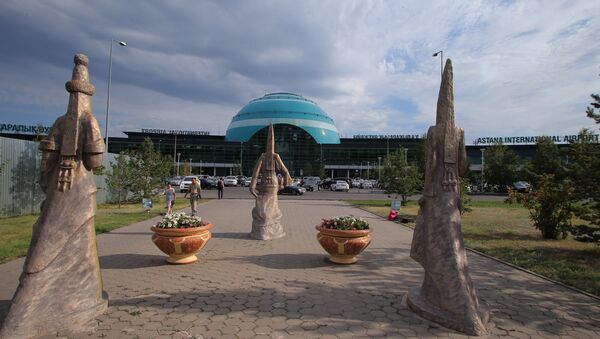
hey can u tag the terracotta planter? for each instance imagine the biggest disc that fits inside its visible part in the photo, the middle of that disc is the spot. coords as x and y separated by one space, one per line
181 244
343 246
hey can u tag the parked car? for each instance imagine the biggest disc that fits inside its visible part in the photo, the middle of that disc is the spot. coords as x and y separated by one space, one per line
186 182
310 183
247 182
207 184
175 181
292 189
340 186
366 184
522 186
230 181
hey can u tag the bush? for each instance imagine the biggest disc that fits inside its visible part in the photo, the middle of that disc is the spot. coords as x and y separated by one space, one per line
550 206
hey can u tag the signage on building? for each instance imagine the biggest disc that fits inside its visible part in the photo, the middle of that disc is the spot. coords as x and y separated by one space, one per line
387 136
24 128
172 131
558 139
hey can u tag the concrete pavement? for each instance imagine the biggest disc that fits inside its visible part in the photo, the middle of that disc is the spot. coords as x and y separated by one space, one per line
243 288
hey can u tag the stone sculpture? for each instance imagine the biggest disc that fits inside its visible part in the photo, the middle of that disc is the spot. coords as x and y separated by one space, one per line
266 216
447 295
60 287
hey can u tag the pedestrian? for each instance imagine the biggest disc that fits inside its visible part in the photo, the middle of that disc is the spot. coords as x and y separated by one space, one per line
195 194
220 187
169 198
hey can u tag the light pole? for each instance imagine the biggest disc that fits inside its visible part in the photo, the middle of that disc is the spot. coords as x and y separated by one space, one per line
159 141
368 168
441 53
191 172
178 155
122 43
175 159
241 157
482 166
379 167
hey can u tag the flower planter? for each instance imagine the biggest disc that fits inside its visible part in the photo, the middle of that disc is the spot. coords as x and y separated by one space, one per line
181 244
343 245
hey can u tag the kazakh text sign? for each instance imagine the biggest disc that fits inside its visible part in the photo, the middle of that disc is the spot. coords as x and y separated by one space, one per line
387 136
24 128
164 131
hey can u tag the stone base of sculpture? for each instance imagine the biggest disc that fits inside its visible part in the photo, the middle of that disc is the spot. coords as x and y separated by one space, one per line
456 321
66 296
266 216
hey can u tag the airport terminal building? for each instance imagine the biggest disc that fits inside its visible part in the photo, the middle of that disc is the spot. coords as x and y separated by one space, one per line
306 138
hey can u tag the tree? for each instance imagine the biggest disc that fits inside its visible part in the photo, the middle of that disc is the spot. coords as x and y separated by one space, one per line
149 168
595 105
120 177
308 169
583 169
500 166
397 177
545 161
186 169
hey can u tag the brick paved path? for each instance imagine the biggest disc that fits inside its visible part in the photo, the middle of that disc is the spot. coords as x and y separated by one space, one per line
243 288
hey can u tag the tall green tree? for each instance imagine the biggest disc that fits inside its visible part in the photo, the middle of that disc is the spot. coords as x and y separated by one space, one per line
584 171
501 166
545 161
149 168
398 177
186 168
594 105
120 177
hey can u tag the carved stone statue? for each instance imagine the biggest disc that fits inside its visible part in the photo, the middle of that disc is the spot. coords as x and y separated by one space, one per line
266 215
447 295
61 287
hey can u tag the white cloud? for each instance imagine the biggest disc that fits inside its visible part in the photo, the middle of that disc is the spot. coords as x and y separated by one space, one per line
520 67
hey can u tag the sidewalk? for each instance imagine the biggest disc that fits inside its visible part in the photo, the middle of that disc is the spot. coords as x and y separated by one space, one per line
243 288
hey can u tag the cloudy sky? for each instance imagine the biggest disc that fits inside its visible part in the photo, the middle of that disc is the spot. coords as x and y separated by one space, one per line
520 67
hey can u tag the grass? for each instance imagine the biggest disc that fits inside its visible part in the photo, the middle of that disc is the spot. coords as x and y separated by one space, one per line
506 232
15 232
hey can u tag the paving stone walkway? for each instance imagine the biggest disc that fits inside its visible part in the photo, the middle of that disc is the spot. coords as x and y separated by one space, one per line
243 288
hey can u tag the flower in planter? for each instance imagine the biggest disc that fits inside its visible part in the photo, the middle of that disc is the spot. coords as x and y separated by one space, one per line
180 220
347 222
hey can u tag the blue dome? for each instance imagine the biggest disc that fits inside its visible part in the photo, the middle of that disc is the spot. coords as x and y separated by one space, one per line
282 108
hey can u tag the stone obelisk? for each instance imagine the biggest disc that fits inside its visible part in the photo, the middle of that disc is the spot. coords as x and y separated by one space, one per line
266 216
447 295
60 288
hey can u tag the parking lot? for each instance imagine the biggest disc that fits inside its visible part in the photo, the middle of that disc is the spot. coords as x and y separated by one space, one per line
353 194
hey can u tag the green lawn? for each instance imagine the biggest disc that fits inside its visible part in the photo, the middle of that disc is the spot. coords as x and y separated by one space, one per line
15 232
506 232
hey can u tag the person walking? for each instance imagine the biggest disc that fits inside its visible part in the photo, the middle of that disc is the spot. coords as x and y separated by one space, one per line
195 194
169 198
220 187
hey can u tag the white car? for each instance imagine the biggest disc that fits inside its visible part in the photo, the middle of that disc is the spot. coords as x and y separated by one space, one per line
366 184
247 182
230 181
186 182
340 186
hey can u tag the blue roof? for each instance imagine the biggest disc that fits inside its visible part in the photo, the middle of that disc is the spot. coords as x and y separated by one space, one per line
283 108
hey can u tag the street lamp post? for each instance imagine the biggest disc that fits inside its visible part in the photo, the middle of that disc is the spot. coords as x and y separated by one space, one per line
178 156
191 172
122 43
368 172
441 53
482 167
379 167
